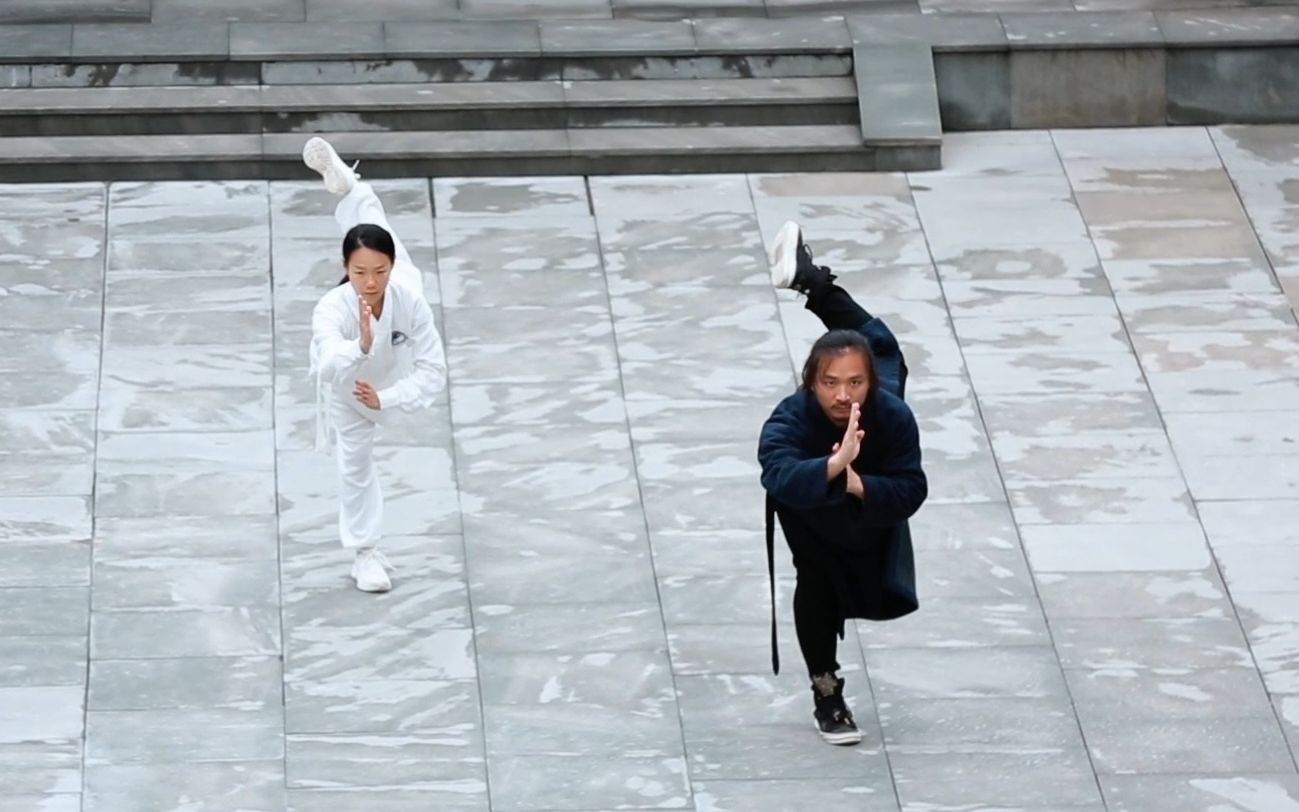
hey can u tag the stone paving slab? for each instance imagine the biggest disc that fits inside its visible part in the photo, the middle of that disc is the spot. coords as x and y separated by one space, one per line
1107 562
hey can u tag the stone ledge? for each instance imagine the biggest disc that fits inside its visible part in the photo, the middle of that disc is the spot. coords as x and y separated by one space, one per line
257 42
270 99
594 38
1078 30
84 11
788 36
149 42
556 151
506 38
1236 27
442 143
487 39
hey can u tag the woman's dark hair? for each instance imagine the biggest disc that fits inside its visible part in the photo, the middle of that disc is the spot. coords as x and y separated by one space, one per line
838 342
367 235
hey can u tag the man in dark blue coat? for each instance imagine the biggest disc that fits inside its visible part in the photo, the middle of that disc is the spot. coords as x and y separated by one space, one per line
841 466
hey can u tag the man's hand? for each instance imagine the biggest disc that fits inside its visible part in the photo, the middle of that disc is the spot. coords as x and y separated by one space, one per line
365 393
367 335
855 486
846 450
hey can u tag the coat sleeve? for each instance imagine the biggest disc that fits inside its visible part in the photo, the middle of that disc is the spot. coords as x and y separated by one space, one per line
896 492
420 387
791 477
333 355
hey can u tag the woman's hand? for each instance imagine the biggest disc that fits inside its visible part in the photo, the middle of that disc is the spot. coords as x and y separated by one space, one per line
367 334
365 393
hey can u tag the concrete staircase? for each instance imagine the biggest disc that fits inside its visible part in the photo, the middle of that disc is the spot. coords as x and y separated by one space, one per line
580 106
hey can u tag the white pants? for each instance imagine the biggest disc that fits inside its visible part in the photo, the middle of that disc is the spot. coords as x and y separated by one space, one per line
360 498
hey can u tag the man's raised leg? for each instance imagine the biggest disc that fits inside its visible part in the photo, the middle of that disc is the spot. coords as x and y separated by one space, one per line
792 267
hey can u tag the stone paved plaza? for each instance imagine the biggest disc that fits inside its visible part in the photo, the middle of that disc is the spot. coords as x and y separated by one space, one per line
1105 363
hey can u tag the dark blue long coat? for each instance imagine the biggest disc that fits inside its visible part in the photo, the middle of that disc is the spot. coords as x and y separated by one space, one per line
863 546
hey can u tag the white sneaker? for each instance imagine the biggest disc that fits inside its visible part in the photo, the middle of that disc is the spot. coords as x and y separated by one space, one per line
784 254
370 569
320 156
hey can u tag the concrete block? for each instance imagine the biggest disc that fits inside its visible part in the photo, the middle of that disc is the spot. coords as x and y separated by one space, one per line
799 8
349 11
78 11
402 71
146 42
256 41
802 35
15 76
145 74
1087 88
618 38
229 11
44 42
469 38
1233 85
684 9
973 90
521 10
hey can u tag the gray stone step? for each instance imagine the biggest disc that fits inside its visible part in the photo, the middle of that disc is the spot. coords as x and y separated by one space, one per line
450 95
445 106
476 152
143 72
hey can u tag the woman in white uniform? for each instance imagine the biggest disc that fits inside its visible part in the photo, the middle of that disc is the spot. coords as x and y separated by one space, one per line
374 348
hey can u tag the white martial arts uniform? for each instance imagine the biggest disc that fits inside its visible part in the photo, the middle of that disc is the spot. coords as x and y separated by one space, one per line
406 366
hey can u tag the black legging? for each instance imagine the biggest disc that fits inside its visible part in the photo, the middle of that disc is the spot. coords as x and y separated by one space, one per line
833 305
816 617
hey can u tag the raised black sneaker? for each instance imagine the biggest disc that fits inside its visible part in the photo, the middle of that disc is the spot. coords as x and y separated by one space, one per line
833 719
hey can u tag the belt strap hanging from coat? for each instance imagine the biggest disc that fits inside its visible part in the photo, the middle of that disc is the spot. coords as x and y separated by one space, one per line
771 577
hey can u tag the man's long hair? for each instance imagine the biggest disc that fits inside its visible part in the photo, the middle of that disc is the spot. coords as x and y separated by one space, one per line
835 343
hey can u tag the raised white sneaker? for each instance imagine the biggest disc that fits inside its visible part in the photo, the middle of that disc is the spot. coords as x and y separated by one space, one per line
783 255
370 569
320 156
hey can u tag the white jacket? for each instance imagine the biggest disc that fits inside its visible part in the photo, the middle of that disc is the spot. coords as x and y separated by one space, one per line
406 364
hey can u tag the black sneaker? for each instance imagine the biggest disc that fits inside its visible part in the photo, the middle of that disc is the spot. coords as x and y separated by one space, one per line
833 719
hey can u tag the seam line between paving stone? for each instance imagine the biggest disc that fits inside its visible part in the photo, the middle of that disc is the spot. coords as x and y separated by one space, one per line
1001 479
107 197
1195 503
275 479
431 190
1249 219
640 492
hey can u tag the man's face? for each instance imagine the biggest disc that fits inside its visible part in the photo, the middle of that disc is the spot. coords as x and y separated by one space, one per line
841 382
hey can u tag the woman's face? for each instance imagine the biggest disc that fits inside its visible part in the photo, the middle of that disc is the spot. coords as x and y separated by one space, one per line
368 271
